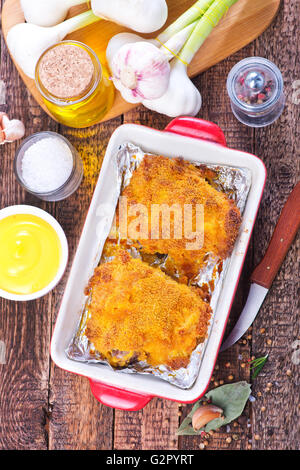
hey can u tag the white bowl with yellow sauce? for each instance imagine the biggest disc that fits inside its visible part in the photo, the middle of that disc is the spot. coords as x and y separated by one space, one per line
33 253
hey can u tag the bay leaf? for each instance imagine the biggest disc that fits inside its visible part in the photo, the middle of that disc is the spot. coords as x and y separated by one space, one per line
232 398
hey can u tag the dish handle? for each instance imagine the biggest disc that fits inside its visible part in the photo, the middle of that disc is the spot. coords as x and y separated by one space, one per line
197 129
118 398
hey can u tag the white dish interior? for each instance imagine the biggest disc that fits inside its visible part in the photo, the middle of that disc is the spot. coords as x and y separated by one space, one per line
91 244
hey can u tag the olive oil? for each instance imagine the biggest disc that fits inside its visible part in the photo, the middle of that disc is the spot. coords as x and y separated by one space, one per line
72 67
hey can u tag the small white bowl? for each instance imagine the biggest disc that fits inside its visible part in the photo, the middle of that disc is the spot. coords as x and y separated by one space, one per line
31 210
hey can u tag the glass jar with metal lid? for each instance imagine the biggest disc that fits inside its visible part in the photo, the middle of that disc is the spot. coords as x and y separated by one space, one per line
255 88
73 84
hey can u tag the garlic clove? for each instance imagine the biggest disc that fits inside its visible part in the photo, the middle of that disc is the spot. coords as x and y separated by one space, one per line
140 71
204 415
11 130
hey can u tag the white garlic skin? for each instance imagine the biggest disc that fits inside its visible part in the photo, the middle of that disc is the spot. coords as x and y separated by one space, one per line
140 71
27 42
10 130
182 98
45 12
143 16
118 40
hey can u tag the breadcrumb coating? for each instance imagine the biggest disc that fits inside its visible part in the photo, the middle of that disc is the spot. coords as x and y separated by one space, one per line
161 180
138 313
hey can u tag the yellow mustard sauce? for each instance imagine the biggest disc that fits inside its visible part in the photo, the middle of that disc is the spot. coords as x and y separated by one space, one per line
30 254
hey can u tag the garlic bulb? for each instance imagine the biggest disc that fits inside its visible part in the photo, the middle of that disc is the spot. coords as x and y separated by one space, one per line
27 42
141 71
143 16
47 12
182 98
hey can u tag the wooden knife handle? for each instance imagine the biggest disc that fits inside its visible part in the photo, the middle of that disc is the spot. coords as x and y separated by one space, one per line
283 236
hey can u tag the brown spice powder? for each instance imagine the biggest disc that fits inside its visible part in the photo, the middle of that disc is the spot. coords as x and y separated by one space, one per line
66 71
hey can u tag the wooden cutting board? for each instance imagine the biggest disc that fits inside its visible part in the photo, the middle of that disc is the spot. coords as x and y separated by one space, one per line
245 21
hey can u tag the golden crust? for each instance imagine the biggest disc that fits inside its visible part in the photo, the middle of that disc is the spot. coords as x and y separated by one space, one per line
160 180
139 313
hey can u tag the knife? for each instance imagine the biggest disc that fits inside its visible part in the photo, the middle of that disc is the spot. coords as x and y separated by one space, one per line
264 274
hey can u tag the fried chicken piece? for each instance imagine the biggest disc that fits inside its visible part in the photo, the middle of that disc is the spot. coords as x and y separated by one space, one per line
137 313
164 181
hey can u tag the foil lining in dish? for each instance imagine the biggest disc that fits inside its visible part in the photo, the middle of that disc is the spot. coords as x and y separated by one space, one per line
236 183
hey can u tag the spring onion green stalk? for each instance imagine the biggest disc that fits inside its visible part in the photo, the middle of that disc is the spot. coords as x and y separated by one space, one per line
204 27
27 42
173 46
182 98
191 15
187 18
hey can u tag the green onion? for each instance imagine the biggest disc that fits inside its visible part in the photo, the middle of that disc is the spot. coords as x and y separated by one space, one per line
204 27
188 17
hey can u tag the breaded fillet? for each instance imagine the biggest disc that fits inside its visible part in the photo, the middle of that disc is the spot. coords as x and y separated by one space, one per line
160 180
137 313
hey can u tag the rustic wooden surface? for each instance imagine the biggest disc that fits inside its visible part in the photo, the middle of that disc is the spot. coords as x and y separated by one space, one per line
43 407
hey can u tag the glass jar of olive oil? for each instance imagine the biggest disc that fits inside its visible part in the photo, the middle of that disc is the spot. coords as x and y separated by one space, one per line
74 85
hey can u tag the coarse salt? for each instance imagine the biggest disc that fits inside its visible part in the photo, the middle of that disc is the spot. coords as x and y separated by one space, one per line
46 165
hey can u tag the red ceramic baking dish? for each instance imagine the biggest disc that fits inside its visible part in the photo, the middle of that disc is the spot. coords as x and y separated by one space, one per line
194 140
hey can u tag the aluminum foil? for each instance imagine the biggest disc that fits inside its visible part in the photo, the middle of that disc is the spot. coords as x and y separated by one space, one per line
236 183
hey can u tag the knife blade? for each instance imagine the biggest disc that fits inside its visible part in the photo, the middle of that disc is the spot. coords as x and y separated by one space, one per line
264 274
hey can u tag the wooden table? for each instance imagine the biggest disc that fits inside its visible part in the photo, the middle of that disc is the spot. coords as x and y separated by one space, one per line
43 407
